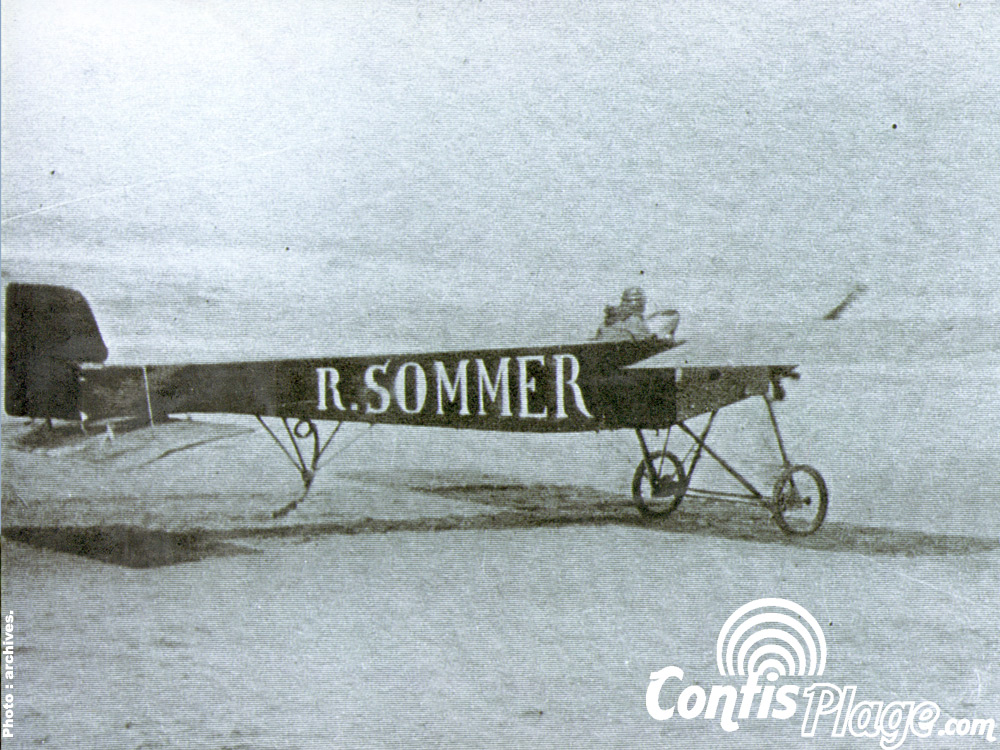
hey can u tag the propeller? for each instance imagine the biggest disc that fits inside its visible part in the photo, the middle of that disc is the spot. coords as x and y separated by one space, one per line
836 312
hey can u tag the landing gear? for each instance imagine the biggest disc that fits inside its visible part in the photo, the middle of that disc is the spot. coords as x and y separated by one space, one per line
304 430
661 480
659 484
800 500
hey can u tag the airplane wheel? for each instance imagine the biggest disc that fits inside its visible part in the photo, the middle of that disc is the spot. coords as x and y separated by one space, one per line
800 500
659 497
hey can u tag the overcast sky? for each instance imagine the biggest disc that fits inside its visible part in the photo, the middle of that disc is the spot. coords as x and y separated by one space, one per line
725 155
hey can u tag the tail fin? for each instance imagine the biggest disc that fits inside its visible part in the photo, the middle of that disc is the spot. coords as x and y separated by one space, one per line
50 330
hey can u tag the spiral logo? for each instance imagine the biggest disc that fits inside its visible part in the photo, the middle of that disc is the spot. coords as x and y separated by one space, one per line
773 637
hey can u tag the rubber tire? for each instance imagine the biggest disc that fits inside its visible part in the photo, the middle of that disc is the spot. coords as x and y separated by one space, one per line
778 508
641 472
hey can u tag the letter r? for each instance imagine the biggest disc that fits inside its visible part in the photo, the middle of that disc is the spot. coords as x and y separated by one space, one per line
562 382
327 379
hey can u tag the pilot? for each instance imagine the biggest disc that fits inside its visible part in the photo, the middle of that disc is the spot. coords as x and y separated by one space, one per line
625 322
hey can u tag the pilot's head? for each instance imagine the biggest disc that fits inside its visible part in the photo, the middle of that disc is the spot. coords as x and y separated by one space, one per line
633 300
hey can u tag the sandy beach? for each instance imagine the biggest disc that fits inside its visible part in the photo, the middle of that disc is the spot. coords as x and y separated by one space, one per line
162 607
230 181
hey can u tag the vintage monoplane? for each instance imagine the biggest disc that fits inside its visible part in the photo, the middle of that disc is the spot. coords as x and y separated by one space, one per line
54 370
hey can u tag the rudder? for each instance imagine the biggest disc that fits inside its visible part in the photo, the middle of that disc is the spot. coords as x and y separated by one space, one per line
50 330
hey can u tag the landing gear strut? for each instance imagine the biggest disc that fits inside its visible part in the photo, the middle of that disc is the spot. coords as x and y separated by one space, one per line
303 430
798 502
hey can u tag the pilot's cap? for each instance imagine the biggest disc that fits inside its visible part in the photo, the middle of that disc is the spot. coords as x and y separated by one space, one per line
634 297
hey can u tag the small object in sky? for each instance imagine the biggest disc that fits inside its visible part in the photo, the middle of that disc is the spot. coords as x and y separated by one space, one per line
834 314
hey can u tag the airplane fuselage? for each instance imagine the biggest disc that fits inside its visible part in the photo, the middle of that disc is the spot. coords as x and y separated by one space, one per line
555 388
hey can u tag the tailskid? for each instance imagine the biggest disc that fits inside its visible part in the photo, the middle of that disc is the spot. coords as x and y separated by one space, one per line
304 433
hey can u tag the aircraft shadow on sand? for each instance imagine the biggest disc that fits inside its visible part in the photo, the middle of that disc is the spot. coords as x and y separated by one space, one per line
547 505
511 506
125 545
